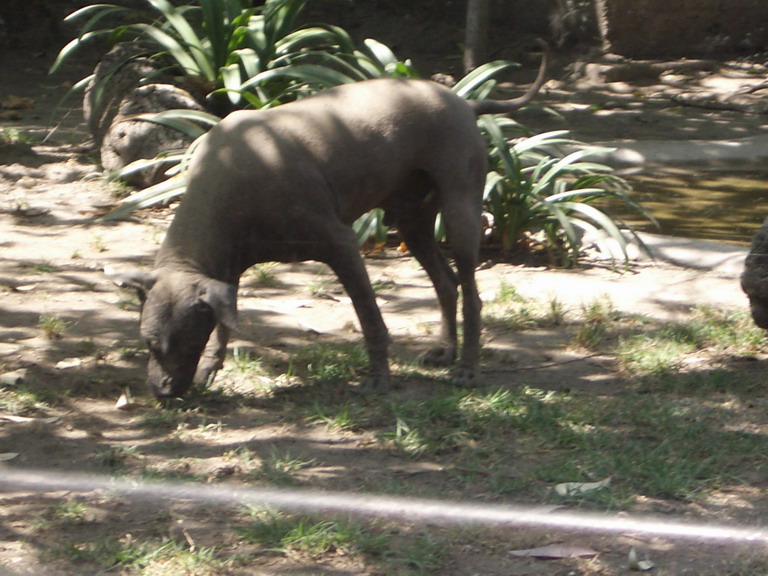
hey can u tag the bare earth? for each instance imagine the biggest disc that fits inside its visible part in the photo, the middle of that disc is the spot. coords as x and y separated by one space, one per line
52 257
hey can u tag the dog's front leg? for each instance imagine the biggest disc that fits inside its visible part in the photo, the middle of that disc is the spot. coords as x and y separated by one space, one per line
212 359
348 265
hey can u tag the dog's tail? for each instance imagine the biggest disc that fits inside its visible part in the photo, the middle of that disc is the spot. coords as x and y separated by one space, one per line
506 106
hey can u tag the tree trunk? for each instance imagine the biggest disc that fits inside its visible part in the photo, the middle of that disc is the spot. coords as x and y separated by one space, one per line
475 39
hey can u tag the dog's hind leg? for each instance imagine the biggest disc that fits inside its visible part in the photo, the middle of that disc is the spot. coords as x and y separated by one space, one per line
416 226
462 214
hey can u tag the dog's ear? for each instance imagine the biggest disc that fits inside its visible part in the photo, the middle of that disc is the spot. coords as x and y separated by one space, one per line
139 280
222 297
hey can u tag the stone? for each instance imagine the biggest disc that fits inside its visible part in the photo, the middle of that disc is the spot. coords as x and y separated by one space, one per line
129 139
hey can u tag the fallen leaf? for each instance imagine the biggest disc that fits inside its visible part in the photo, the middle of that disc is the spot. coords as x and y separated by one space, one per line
578 488
68 363
639 565
556 552
5 456
125 402
24 419
13 378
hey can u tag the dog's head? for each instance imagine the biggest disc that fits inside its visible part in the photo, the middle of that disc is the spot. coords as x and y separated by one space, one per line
178 313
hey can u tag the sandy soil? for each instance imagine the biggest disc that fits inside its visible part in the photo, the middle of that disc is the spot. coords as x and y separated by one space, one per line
52 257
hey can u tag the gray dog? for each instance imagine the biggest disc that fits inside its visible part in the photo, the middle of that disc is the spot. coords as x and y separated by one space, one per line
285 185
754 279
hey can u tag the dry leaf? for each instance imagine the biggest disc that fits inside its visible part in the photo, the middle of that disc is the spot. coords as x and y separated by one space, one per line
556 552
125 402
5 456
25 419
13 378
579 488
639 565
68 363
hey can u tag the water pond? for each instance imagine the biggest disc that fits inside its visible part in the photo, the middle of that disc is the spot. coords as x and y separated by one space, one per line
708 205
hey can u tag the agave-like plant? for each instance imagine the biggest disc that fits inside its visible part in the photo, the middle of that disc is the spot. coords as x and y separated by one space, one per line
226 51
232 55
240 56
546 185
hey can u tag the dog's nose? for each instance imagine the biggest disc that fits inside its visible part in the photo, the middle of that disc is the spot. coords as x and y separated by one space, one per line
163 389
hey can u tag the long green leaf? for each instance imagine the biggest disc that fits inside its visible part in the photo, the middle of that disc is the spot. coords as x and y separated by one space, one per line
306 73
602 221
157 194
72 46
188 40
328 36
480 76
233 82
558 169
175 119
175 49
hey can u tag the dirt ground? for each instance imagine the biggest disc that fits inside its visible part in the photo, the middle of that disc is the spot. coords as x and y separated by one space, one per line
52 257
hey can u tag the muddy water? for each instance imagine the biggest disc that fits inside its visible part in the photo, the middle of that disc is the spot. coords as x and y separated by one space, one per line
703 205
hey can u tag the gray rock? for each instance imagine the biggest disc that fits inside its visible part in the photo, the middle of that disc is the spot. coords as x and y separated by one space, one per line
129 139
118 74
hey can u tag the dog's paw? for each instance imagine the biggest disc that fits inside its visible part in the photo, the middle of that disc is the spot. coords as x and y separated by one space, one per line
376 384
439 357
464 376
205 376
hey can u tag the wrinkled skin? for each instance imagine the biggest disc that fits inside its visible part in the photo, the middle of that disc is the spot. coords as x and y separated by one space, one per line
754 279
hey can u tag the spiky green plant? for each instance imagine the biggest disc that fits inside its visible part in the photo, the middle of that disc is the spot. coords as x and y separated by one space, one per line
546 185
232 55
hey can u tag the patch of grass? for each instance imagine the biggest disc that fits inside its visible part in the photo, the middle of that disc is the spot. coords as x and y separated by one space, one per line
323 284
39 267
284 533
129 352
597 319
263 275
664 349
420 553
246 364
383 285
173 470
98 244
333 363
654 355
279 468
335 417
21 401
61 515
144 558
509 310
53 326
116 456
655 445
15 136
130 303
164 418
